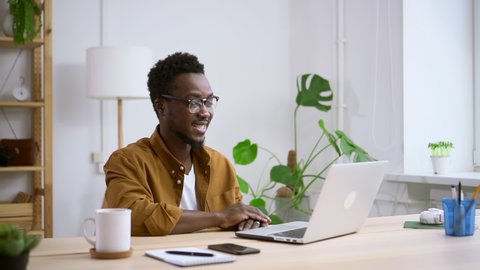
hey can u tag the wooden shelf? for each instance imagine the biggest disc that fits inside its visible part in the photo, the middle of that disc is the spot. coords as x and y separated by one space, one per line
12 210
21 169
20 214
7 42
27 104
37 216
37 233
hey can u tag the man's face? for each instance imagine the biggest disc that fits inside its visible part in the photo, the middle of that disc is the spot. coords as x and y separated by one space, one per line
188 127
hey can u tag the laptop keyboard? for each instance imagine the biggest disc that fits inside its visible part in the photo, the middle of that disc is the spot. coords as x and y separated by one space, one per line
295 233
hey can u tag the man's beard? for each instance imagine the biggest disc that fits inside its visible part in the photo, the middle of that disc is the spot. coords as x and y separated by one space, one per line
194 144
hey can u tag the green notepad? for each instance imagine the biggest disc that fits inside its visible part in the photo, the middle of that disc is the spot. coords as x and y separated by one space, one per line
418 225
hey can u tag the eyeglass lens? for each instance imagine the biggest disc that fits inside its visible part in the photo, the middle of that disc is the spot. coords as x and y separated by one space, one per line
195 104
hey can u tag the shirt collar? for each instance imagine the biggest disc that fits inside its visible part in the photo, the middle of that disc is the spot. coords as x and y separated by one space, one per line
160 148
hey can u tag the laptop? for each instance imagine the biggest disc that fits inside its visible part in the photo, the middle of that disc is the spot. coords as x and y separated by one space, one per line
342 206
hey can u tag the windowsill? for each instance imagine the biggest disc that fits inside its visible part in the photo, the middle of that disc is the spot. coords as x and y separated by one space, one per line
468 179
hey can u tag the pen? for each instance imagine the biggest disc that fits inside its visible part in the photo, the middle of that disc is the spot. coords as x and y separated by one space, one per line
459 213
459 198
189 253
475 194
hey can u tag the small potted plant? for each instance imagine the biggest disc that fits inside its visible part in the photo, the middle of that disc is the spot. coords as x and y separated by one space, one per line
24 19
440 156
293 179
15 246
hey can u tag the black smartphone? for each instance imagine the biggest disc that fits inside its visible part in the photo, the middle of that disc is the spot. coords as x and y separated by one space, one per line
234 249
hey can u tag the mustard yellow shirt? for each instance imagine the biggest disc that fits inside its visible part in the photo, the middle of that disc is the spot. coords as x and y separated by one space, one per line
147 178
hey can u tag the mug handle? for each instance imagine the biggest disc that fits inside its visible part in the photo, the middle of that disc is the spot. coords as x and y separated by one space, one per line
84 229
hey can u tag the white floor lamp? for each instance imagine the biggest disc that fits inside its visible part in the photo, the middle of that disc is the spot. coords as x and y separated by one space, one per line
118 73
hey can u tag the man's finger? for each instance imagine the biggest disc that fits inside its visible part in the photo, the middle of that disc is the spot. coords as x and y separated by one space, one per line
241 226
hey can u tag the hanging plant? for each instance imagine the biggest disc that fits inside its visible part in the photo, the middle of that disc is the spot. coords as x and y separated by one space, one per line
26 20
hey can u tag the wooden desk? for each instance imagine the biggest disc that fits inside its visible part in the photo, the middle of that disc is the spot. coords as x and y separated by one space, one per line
381 244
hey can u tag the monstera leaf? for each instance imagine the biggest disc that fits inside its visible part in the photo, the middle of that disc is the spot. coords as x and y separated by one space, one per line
314 91
350 148
331 138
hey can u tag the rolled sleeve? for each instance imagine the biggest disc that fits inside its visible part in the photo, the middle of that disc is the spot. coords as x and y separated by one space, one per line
127 187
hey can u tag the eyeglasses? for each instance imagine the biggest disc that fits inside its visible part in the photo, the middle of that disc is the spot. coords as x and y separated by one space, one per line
194 104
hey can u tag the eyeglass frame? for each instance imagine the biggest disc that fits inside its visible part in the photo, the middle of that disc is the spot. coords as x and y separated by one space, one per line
190 104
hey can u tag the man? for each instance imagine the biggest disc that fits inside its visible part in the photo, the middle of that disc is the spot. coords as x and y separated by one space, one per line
171 181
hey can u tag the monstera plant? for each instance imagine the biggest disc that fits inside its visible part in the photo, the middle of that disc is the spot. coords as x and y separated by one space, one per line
293 179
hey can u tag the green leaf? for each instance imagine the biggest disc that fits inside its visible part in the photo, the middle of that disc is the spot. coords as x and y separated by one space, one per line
258 202
14 248
31 242
245 152
317 94
331 138
441 148
5 231
275 219
244 186
283 174
14 241
349 148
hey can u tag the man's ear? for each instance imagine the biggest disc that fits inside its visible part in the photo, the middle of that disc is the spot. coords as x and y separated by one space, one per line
160 107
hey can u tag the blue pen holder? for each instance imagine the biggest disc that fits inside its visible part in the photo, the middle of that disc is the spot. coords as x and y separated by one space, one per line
459 219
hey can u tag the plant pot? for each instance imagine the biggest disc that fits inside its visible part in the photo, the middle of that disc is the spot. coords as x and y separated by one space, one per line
14 262
7 25
287 212
440 165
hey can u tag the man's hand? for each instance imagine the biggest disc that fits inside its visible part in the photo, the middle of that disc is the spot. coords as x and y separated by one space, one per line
251 224
245 216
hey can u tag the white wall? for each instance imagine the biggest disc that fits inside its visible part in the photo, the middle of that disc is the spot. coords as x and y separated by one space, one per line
477 84
253 50
372 67
438 82
373 95
437 95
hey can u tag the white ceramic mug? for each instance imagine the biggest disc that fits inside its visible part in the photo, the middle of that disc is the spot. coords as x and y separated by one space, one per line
112 230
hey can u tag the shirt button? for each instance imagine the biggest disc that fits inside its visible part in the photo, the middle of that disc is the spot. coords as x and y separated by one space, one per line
182 168
172 172
179 181
206 172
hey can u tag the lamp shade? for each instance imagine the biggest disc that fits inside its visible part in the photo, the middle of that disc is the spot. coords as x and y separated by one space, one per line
118 72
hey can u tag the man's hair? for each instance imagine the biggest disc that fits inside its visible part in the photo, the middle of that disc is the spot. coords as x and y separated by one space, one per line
162 75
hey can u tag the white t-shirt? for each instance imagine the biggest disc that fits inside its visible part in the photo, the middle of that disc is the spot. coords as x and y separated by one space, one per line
189 197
